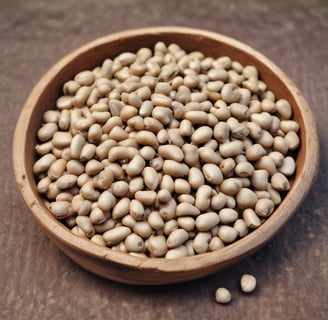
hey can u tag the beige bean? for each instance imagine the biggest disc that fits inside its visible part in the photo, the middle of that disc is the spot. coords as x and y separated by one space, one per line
66 181
284 109
246 198
85 78
277 157
77 143
146 138
218 201
251 219
239 111
146 197
197 117
186 223
89 192
134 243
57 169
230 93
241 227
263 119
186 128
60 209
212 173
98 240
259 179
186 209
231 148
201 135
71 87
176 238
293 140
266 163
93 167
136 184
167 183
264 207
208 155
43 184
255 152
227 165
120 188
227 234
64 120
78 232
42 149
151 178
195 178
280 144
244 169
81 96
155 220
104 179
247 283
203 197
47 131
164 195
116 235
143 229
287 167
157 246
121 208
266 140
227 215
121 153
168 210
135 166
215 244
44 163
230 186
88 151
176 253
191 155
255 131
85 224
201 242
171 152
106 201
279 182
105 226
175 168
207 221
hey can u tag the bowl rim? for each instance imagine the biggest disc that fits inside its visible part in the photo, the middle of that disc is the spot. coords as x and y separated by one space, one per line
227 255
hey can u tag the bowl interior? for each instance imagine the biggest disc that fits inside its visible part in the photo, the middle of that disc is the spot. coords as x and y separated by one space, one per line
120 266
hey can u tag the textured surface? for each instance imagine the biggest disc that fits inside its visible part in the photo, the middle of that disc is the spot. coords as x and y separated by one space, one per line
39 282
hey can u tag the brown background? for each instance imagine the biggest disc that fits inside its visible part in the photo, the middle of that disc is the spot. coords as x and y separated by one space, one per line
38 282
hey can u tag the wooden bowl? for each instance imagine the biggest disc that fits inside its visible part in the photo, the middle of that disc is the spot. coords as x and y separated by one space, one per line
148 271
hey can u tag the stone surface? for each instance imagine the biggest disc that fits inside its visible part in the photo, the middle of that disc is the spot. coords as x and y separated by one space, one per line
39 282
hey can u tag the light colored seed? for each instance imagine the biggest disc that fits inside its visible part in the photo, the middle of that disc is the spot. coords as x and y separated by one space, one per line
287 167
57 169
227 234
246 198
143 229
207 221
85 78
197 117
105 226
135 166
277 157
98 240
47 131
60 209
93 167
181 186
85 224
215 244
164 195
201 242
155 220
280 144
231 148
88 151
81 96
230 93
255 152
168 210
222 295
120 188
241 227
170 152
106 201
293 140
191 155
186 209
121 208
175 169
44 163
176 238
134 243
208 155
146 197
284 109
174 137
244 169
42 149
230 186
266 140
104 179
212 173
66 181
167 183
203 197
279 182
259 179
116 235
251 219
266 163
247 283
157 246
151 178
128 221
218 201
201 135
227 215
187 223
146 138
264 207
176 253
239 111
255 131
89 192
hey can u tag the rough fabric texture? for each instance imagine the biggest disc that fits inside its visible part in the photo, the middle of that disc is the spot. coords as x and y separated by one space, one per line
39 282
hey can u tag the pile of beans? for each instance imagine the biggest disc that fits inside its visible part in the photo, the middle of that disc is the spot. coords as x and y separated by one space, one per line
164 153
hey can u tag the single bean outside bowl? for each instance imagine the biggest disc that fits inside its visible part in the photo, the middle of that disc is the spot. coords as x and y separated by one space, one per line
120 266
